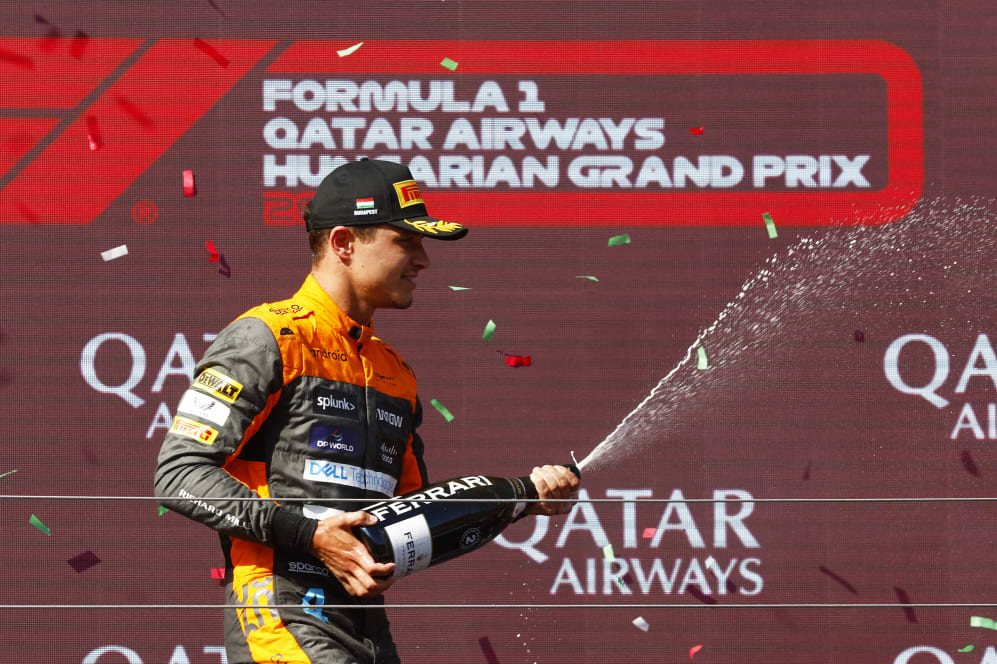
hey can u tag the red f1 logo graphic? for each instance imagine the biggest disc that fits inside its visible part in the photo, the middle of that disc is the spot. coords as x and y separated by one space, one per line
144 95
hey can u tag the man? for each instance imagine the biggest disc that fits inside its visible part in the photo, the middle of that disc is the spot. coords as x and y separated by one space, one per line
299 399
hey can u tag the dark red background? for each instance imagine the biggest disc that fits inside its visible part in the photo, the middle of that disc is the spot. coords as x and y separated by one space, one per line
802 395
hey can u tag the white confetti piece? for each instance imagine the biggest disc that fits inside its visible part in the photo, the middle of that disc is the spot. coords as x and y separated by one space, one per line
117 252
347 51
641 624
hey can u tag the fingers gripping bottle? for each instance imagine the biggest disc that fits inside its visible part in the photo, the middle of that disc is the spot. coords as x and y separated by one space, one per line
415 535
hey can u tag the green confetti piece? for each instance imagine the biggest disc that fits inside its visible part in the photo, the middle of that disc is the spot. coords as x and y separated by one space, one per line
966 649
977 621
456 288
9 472
489 330
447 415
701 362
37 523
449 64
584 276
619 239
770 225
347 51
607 552
163 510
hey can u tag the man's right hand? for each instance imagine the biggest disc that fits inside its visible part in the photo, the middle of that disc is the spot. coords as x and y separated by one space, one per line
347 557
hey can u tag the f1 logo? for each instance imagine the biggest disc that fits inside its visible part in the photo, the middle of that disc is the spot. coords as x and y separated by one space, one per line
51 173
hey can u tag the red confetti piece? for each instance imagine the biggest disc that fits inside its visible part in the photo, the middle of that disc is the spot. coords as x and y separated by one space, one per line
84 561
968 463
859 336
93 134
79 44
134 112
693 650
487 650
16 59
518 360
217 573
698 594
839 579
905 599
188 184
649 533
697 130
226 271
210 246
211 51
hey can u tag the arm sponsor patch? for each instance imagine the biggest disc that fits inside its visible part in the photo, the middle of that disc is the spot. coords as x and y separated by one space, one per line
202 433
218 384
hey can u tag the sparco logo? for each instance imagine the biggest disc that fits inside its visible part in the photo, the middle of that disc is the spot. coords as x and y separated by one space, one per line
329 354
306 568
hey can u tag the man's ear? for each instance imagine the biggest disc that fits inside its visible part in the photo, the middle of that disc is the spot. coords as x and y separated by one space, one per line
341 241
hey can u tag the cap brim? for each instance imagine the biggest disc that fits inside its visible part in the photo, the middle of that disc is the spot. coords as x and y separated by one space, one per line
432 227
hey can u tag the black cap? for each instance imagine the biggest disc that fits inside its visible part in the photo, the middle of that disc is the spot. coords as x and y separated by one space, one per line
372 191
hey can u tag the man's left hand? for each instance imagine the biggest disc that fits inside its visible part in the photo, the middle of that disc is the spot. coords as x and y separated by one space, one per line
553 482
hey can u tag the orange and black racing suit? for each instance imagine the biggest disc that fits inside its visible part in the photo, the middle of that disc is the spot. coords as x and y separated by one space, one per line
292 400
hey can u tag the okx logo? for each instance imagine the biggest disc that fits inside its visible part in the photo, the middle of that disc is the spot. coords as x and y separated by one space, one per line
82 123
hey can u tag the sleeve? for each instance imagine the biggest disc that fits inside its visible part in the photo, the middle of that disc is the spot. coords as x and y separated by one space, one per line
414 475
235 385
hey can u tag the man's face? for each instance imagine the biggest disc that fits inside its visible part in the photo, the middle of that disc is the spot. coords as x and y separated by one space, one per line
384 269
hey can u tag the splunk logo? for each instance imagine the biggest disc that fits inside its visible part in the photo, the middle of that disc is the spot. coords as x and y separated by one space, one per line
908 356
635 569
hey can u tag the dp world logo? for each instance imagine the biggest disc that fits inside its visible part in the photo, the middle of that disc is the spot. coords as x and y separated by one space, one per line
470 537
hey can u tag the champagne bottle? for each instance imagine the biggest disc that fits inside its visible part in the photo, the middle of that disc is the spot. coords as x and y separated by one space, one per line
415 535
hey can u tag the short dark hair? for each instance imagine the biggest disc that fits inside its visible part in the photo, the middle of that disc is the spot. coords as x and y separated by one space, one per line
318 239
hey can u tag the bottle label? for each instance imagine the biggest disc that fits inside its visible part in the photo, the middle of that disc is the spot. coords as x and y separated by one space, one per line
519 508
412 543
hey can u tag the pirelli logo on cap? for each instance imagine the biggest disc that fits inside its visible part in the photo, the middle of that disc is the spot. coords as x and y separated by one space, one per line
218 384
187 428
408 193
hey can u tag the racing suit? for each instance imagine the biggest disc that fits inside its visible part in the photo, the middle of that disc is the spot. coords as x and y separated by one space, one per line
292 400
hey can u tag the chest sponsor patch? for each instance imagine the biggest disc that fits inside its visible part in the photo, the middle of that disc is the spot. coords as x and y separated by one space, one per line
188 428
204 407
331 472
216 383
333 402
393 420
336 439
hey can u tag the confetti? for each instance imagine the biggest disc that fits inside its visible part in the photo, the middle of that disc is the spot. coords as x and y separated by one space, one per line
711 565
134 112
489 330
698 594
217 572
693 650
969 464
607 552
649 533
188 184
17 60
487 650
51 39
806 471
93 134
211 52
585 276
224 270
641 624
84 561
449 64
9 472
904 599
117 252
770 225
163 510
447 415
859 336
966 649
701 362
518 360
619 239
348 51
37 523
457 288
839 579
697 130
979 621
210 246
79 44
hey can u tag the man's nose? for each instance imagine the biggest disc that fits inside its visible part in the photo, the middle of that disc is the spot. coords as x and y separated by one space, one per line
420 258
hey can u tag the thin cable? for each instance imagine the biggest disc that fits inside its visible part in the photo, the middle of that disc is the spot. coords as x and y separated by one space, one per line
961 605
926 499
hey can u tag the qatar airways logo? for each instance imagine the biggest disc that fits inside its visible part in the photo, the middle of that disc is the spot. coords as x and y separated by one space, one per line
921 365
722 561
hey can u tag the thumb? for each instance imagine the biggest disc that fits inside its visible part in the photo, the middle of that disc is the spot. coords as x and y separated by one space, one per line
360 519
